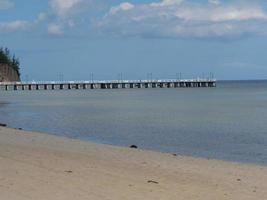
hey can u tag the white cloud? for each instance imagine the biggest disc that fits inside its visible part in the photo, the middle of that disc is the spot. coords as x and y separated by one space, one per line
167 3
178 18
55 29
60 16
216 2
65 7
219 14
122 7
42 17
14 26
65 14
5 4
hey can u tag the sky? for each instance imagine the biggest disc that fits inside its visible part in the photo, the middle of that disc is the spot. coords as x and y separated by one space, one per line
72 39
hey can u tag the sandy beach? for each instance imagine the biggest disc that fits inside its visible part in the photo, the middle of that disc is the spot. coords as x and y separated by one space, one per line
41 166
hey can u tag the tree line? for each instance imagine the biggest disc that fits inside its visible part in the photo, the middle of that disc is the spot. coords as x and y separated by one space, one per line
11 60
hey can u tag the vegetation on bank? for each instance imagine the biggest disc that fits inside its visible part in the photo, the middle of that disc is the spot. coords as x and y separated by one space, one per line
11 60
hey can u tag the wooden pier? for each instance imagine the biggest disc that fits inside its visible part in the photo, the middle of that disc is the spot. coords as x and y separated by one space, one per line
123 84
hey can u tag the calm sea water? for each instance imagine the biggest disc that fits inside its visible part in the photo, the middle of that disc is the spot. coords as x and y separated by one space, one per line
228 122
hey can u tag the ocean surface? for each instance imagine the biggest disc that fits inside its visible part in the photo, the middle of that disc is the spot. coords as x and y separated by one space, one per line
228 122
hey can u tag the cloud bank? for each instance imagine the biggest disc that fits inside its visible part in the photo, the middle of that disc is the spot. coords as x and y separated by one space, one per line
180 18
161 18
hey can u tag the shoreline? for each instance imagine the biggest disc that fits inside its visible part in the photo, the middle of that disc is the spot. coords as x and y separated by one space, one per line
41 166
56 134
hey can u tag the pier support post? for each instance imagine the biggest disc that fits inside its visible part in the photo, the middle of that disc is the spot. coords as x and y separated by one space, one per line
84 86
103 86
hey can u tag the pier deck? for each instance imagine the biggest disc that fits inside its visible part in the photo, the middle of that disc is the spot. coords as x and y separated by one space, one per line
123 84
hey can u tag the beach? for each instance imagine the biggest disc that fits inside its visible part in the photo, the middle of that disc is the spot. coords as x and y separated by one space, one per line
41 166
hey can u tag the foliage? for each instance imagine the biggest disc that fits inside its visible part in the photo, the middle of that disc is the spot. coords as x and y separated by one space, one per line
11 60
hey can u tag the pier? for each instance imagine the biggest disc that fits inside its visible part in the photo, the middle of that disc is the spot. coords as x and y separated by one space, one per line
114 84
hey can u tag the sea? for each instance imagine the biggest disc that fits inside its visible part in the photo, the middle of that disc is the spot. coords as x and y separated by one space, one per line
228 122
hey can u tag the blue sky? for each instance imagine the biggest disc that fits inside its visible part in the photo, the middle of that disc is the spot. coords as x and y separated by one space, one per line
164 37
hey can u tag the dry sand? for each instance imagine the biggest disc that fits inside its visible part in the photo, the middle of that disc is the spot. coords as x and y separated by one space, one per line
44 167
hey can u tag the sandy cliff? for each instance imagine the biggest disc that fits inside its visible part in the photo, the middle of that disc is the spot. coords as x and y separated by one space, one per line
7 73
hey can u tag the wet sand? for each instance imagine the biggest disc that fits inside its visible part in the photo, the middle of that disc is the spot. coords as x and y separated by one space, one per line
41 166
